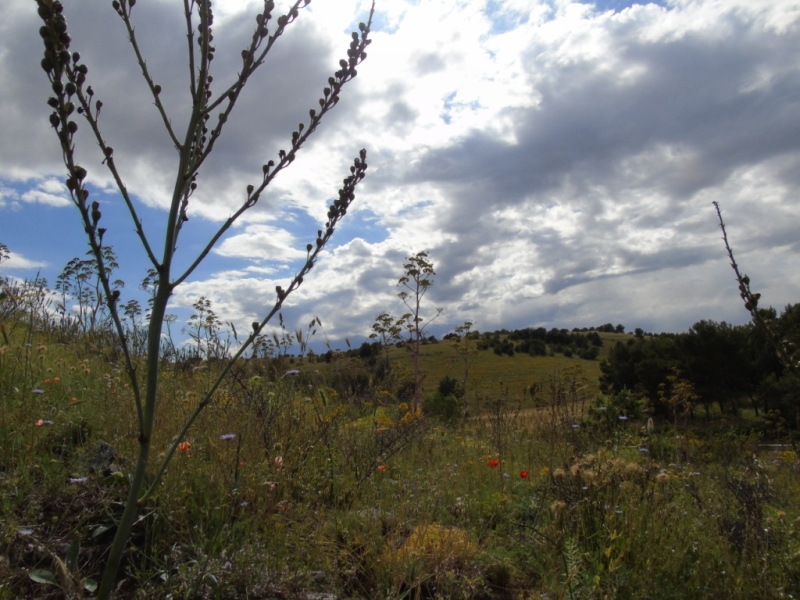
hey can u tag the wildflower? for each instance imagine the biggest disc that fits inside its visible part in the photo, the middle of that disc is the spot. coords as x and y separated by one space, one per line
493 463
39 423
279 462
644 450
57 379
558 507
184 446
382 468
622 418
74 480
662 477
244 503
576 426
227 436
403 406
292 372
575 470
523 474
559 473
545 471
37 391
73 400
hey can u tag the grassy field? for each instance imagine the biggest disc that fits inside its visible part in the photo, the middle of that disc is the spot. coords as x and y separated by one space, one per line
491 374
288 487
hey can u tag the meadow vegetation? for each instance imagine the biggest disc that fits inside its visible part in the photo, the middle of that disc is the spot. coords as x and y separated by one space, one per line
313 475
509 464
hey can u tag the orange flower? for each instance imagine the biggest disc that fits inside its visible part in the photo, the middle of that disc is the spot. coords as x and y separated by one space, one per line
183 446
382 468
39 423
493 463
523 474
57 379
47 382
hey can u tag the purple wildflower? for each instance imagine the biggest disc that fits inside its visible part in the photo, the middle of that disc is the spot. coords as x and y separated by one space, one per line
227 436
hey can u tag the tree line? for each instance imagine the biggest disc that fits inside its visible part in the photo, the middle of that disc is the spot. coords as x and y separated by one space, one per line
731 366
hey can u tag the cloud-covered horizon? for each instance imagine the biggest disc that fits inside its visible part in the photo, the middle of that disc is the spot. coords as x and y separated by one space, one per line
557 160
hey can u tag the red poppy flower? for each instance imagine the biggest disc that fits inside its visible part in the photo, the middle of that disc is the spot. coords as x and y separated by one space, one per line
523 474
382 468
183 446
493 462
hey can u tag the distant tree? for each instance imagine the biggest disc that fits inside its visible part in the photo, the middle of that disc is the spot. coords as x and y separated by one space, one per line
678 395
417 280
640 366
717 359
387 331
619 328
467 352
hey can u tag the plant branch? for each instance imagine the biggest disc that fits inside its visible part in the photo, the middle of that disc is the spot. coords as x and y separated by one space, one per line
187 9
270 170
155 89
785 354
335 213
57 62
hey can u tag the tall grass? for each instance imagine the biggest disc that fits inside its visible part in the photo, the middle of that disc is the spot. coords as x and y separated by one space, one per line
289 486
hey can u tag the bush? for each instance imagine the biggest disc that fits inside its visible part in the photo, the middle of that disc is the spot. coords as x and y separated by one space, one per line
609 413
445 407
449 386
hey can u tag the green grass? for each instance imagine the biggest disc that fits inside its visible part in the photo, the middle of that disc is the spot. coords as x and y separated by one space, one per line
353 495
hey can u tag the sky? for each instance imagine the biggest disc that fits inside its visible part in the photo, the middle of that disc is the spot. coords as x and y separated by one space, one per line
557 160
